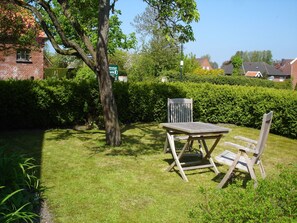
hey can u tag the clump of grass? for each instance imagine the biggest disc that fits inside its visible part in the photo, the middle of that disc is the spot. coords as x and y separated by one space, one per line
20 189
274 200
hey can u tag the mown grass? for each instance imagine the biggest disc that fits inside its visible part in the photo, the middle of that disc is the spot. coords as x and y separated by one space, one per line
89 182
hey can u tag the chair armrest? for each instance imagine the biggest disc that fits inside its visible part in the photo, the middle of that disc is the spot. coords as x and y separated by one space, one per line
246 139
239 147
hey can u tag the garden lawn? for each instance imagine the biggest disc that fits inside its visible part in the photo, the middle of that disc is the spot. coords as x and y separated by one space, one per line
88 182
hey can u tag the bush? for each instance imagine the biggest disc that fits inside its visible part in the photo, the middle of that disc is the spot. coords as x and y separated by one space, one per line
65 103
46 104
274 200
237 80
147 102
85 73
20 190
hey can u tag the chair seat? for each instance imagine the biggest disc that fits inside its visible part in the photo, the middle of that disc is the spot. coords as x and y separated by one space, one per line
227 157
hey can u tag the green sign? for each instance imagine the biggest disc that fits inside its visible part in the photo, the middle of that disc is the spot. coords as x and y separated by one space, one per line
114 71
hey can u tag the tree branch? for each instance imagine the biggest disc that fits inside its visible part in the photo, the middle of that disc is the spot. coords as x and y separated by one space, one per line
66 9
75 49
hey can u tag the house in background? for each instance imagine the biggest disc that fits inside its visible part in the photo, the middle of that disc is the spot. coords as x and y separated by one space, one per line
257 68
256 74
289 67
21 62
204 63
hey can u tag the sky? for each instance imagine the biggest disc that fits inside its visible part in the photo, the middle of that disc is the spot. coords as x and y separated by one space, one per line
227 26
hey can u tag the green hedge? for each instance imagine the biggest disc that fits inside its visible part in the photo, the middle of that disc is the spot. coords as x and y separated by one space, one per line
45 104
147 102
63 103
238 80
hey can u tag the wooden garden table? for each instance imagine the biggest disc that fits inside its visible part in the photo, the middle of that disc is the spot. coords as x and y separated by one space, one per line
195 131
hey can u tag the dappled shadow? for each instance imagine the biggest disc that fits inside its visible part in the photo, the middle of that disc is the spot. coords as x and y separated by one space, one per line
139 139
83 135
237 177
193 172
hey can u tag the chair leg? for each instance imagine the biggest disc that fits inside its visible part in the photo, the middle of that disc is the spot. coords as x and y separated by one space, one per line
165 145
228 174
251 169
200 147
262 170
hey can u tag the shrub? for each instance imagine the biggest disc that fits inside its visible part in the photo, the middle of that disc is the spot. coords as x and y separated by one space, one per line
85 73
237 80
65 103
274 200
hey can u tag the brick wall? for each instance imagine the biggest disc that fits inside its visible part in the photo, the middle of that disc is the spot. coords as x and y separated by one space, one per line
10 68
294 73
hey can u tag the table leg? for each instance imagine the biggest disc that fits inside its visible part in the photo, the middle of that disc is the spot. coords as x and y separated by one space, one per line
208 153
179 156
176 158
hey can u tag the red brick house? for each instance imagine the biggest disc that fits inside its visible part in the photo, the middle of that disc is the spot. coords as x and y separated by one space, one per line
21 62
204 63
293 64
289 67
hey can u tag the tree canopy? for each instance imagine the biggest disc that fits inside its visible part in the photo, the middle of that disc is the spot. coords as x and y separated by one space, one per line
255 56
17 26
83 28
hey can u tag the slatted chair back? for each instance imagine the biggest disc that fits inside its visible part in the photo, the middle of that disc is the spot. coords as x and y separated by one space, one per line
266 123
180 109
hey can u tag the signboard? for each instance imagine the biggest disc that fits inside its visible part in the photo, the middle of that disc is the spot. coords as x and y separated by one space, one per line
114 71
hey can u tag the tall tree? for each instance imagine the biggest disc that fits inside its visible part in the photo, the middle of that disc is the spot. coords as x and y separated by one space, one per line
256 56
237 65
82 28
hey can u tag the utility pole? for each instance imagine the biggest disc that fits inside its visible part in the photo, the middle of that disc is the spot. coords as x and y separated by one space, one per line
181 61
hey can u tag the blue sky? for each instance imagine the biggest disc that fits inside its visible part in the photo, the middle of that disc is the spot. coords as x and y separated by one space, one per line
227 26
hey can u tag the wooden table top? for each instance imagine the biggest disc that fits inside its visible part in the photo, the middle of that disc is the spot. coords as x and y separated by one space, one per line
199 128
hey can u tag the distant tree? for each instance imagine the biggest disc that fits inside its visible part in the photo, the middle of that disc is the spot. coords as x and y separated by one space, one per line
237 65
158 53
190 63
256 56
122 59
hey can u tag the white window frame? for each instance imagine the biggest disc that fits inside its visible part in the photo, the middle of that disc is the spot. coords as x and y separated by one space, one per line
23 56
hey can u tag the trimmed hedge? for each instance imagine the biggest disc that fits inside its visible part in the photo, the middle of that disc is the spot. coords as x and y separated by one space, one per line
46 104
238 80
64 103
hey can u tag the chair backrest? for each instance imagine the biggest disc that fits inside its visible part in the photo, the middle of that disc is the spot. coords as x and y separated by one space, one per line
180 109
266 123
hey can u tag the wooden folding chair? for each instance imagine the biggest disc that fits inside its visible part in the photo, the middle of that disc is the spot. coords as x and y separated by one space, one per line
241 160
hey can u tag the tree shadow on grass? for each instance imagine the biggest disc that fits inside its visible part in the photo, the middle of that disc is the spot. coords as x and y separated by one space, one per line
237 177
137 139
65 134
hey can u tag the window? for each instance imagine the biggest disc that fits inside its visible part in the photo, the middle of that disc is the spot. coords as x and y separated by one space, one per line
23 56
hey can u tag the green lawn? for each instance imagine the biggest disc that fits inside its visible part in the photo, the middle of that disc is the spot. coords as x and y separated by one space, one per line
89 182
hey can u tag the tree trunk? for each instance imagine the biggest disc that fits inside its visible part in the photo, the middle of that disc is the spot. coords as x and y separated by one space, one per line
110 114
